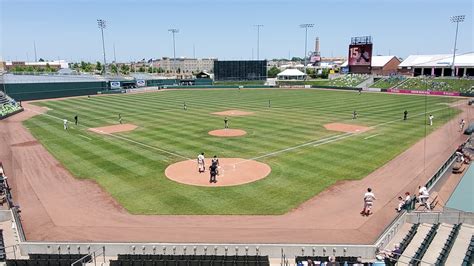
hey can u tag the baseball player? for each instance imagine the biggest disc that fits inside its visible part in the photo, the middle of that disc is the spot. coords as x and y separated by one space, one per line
65 124
354 115
185 107
405 115
431 119
76 119
213 173
120 118
226 122
424 195
369 198
201 164
461 125
215 162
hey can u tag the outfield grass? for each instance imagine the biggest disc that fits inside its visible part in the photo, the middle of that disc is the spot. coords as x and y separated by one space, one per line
134 175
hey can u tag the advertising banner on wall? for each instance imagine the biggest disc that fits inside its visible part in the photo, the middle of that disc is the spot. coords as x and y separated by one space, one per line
115 84
141 83
360 54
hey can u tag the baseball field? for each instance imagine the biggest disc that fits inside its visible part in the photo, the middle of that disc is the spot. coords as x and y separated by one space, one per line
289 136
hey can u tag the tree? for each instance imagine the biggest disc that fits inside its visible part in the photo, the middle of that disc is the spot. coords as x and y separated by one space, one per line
75 66
160 70
41 60
296 59
29 69
114 68
141 69
124 69
98 66
272 72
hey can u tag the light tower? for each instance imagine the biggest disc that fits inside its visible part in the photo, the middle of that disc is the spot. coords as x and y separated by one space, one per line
102 25
456 19
258 26
174 31
305 26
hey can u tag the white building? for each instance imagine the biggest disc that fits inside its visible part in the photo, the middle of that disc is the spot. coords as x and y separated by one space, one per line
438 65
291 74
185 65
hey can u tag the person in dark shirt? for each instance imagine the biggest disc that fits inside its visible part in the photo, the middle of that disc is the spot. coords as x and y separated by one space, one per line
213 173
75 120
405 115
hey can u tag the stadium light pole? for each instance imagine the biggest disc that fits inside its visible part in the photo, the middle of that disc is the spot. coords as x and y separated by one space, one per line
306 26
174 31
258 26
456 19
102 25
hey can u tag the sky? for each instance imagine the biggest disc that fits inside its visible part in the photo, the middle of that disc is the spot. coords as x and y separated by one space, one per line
225 29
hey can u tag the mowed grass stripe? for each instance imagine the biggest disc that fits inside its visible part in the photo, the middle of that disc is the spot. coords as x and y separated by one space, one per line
296 117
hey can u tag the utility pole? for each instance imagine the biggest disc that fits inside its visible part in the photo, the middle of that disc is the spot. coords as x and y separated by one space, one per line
456 19
306 26
34 45
258 26
101 23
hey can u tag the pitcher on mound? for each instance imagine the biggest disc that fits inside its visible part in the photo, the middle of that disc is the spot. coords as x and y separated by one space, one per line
200 161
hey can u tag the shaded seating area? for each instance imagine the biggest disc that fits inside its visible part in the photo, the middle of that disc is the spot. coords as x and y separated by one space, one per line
2 247
52 260
323 260
188 260
424 245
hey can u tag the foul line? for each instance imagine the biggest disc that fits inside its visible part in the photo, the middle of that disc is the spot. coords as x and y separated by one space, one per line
85 137
120 137
369 137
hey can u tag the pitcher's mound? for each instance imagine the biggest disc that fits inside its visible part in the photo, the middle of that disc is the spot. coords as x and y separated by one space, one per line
227 132
232 172
113 129
346 128
233 113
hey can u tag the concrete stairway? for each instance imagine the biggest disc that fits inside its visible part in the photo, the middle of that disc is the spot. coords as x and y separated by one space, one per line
437 244
460 246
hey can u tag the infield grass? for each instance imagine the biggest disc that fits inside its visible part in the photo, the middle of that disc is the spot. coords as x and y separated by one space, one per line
134 174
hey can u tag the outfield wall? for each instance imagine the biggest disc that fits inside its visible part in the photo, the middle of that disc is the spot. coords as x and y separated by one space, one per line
35 91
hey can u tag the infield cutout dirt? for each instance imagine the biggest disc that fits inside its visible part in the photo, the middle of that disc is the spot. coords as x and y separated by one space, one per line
232 172
233 113
227 132
113 129
349 128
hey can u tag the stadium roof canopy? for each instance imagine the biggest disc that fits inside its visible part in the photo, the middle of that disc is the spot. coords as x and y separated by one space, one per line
291 72
438 60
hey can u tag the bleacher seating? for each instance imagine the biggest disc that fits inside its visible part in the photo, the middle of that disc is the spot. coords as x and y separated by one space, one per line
424 245
2 247
448 245
188 260
469 258
319 259
51 260
409 236
8 106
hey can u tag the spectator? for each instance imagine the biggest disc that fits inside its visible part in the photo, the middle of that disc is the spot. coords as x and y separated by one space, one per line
401 204
390 257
